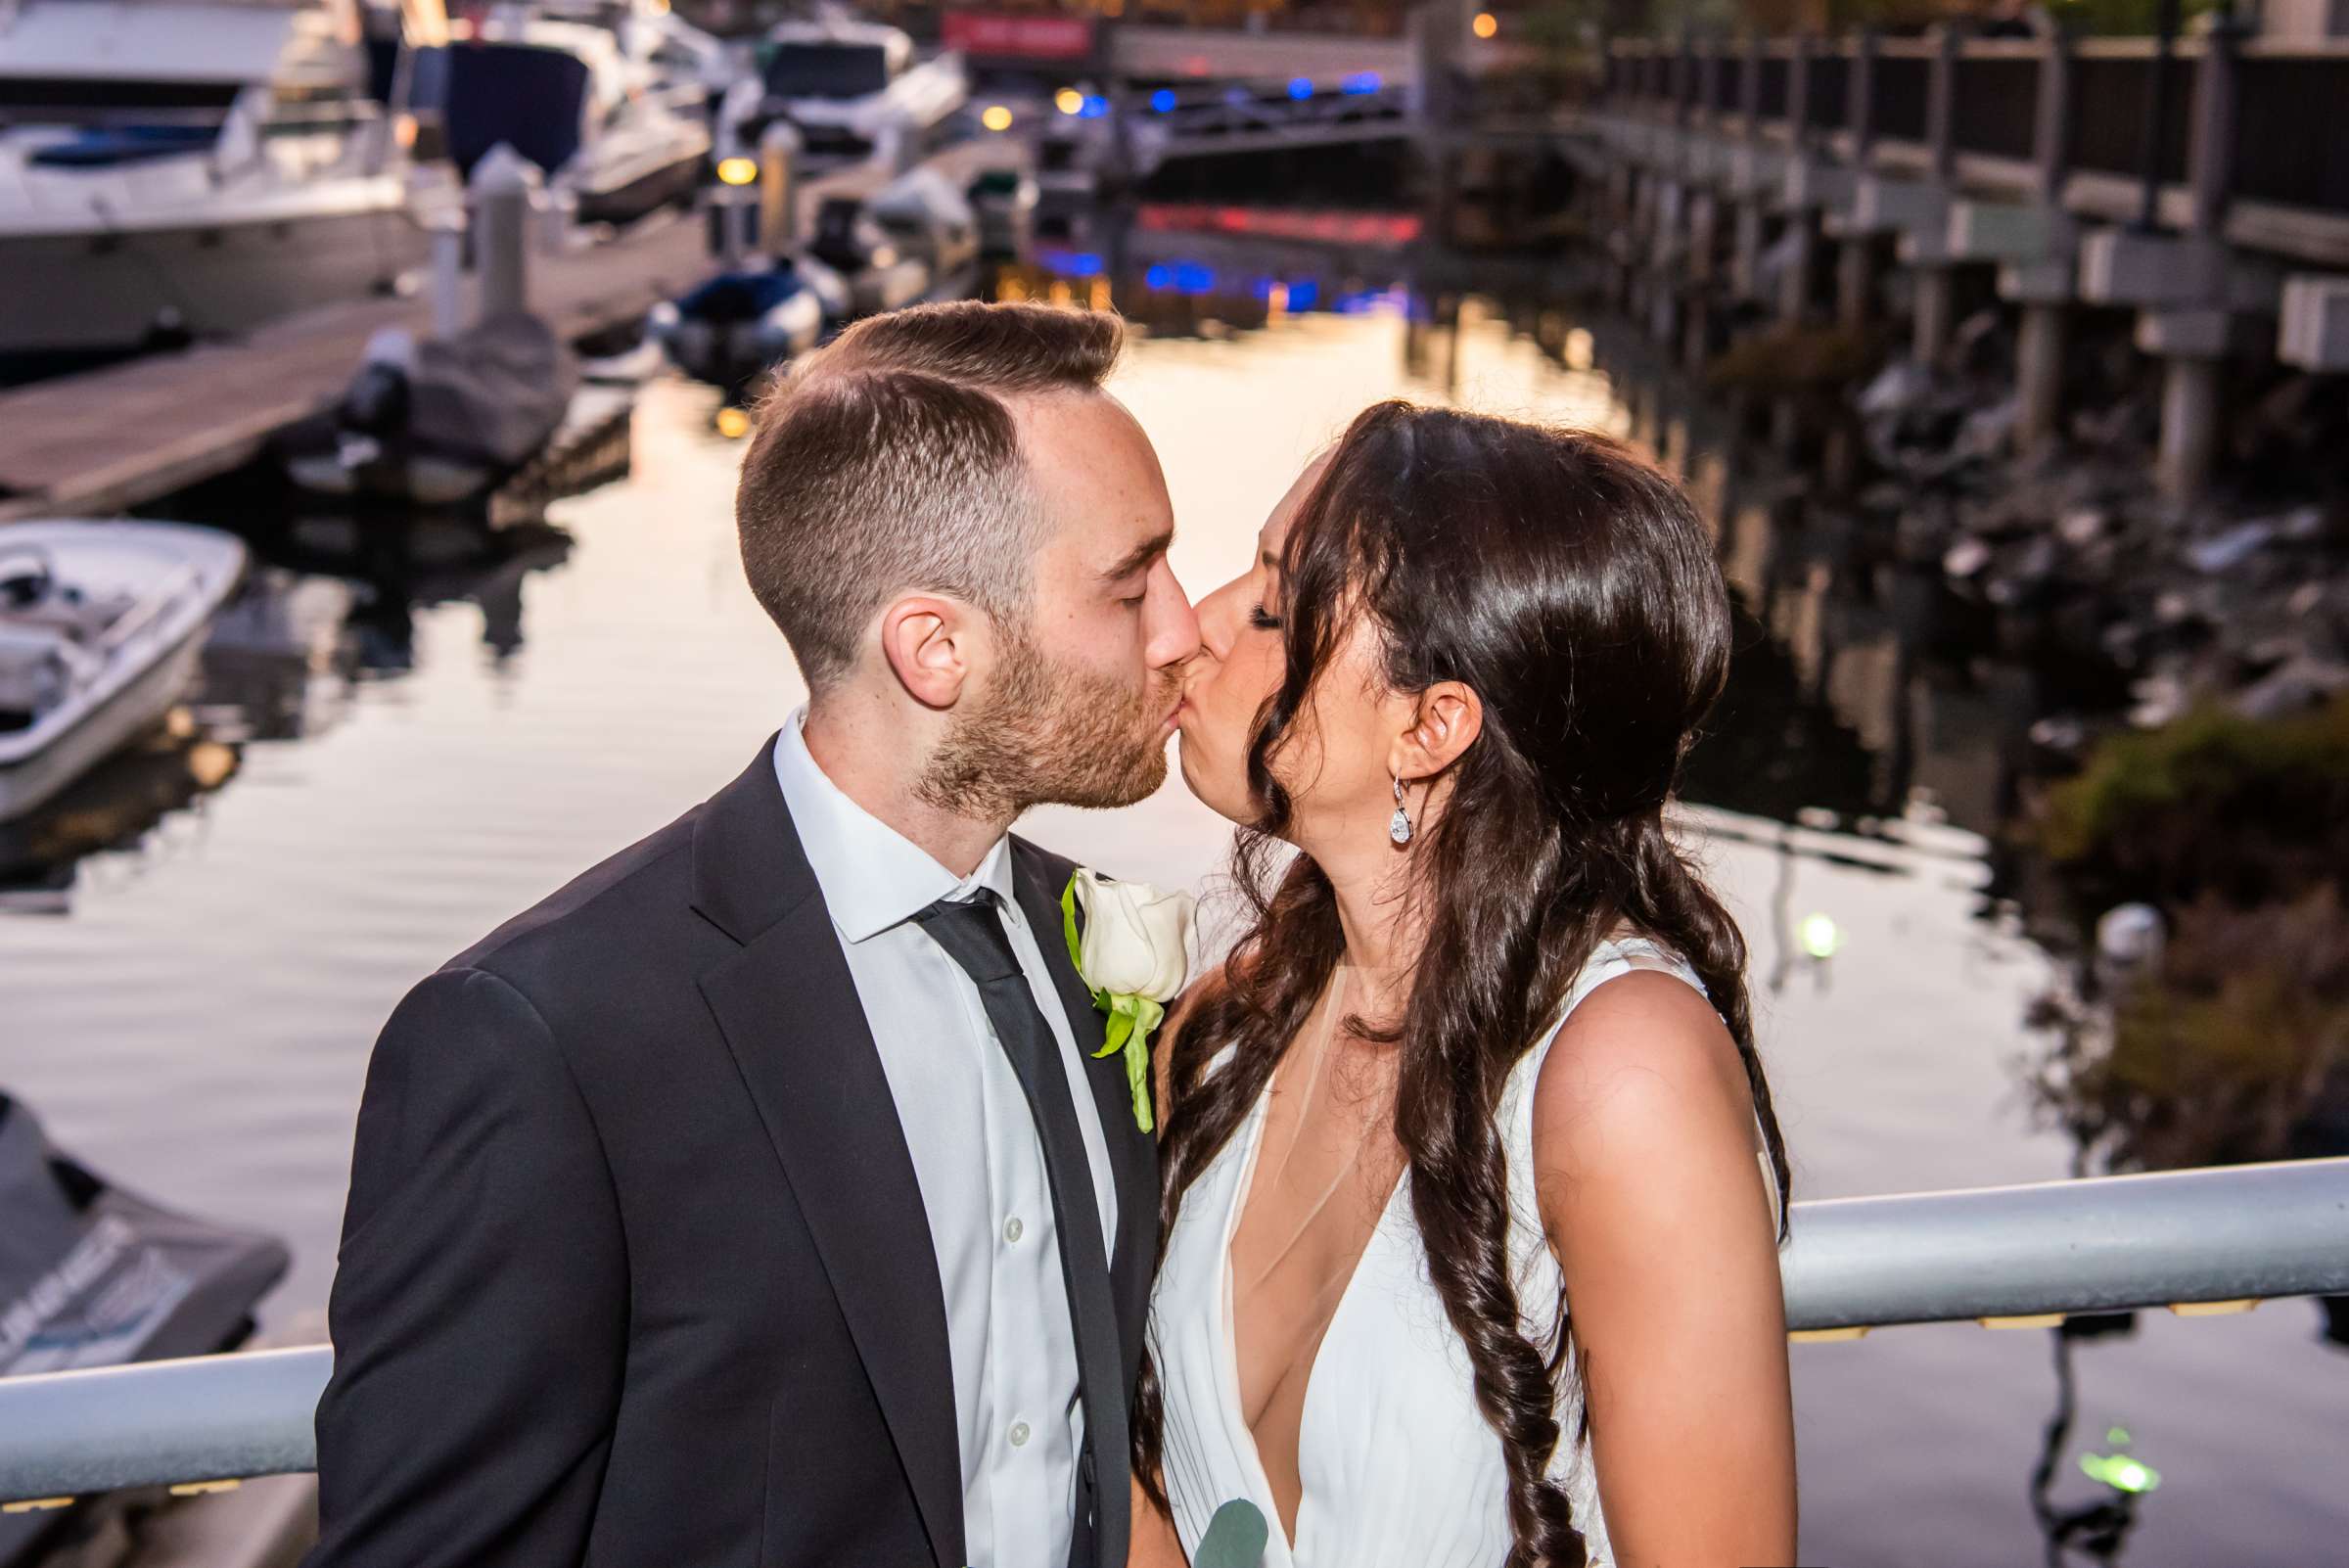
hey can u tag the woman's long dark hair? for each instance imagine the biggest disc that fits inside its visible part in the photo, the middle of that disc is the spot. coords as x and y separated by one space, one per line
1573 588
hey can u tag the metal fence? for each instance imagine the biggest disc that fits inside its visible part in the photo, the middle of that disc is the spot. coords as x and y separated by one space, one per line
2194 1241
1871 101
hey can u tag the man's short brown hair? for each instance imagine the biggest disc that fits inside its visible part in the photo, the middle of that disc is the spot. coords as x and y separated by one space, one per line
888 463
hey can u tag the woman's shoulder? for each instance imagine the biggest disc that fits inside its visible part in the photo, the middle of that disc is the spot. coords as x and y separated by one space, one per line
1641 1071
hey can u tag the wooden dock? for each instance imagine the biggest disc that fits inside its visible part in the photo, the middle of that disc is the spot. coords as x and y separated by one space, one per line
97 442
107 440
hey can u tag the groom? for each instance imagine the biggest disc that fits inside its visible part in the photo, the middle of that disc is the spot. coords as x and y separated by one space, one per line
756 1199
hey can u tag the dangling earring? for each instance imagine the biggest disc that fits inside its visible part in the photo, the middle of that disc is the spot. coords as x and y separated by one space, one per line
1398 827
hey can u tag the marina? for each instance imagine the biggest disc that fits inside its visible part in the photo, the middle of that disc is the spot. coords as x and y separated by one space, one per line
366 624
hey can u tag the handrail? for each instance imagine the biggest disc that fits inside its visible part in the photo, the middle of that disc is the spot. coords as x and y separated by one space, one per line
2202 1240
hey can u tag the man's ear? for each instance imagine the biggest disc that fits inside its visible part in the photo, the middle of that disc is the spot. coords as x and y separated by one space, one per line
1444 721
930 644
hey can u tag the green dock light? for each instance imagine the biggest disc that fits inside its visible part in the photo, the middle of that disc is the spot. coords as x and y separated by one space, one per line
1819 937
2120 1472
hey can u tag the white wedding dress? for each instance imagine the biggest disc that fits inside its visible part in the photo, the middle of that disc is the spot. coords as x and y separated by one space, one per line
1400 1468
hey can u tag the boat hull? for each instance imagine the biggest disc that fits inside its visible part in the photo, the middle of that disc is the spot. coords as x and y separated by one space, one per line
149 671
656 187
135 709
88 293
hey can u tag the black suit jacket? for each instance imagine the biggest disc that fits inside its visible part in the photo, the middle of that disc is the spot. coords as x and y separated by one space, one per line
634 1269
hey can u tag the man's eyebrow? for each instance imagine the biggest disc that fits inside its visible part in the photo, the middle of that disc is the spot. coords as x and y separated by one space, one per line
1140 555
1271 560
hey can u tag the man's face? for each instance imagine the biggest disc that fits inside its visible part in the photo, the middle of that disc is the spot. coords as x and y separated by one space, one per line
1079 704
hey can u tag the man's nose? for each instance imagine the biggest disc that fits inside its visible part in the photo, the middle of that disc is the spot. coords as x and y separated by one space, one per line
1177 637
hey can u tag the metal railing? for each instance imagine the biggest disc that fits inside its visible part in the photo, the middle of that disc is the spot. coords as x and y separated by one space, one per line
2195 1242
2069 116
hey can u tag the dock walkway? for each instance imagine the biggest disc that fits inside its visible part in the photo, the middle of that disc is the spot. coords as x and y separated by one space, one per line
106 439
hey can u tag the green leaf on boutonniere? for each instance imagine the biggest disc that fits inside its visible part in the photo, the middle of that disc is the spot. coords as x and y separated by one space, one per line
1131 1018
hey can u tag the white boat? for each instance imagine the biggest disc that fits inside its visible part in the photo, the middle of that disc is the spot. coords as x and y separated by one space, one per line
192 166
855 91
606 110
101 627
932 222
1005 201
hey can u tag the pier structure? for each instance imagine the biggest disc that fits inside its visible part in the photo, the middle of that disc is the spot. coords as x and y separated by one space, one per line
2191 183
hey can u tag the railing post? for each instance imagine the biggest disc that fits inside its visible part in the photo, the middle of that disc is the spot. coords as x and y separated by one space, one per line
2190 389
1746 240
1802 222
1854 261
2046 331
1935 278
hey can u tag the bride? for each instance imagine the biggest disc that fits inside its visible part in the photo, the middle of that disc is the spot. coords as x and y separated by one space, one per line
1485 1049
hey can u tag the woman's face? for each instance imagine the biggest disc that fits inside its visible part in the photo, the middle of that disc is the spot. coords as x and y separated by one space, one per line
1333 760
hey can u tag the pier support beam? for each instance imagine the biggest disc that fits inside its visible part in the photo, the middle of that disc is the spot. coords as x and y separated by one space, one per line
2039 374
2190 425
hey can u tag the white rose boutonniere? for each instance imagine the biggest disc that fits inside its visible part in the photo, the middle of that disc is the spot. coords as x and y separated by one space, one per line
1134 954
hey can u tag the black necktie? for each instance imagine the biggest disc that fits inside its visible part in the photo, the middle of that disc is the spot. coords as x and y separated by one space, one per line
973 936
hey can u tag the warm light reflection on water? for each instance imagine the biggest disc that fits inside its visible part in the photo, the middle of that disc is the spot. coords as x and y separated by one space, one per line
194 1015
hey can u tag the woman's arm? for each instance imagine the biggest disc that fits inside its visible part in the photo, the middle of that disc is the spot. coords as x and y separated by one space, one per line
1643 1150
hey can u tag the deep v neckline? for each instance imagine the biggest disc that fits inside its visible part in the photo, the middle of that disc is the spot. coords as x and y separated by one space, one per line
1230 1336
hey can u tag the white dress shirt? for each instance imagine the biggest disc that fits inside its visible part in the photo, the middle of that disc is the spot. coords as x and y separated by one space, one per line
975 1155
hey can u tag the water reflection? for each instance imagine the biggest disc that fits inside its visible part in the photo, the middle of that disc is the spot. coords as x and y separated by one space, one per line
331 601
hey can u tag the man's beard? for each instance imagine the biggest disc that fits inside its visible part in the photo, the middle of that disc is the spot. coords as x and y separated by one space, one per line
1045 735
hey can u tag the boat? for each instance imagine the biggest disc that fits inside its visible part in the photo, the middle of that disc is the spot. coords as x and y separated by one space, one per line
932 222
101 627
436 421
740 324
609 117
94 1276
1005 201
174 168
853 244
855 91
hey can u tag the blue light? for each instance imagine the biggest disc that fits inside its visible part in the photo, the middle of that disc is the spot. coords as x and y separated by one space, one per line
1362 82
1159 276
1304 294
1301 87
1265 286
1238 97
1191 277
1163 100
1072 263
1095 107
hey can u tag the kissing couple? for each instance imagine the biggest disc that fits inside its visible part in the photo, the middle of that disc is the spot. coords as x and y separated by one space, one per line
816 1183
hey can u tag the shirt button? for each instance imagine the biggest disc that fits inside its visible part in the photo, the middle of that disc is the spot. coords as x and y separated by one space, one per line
1019 1434
1013 1230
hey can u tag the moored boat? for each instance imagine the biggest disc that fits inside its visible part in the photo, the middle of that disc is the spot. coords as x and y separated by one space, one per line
100 625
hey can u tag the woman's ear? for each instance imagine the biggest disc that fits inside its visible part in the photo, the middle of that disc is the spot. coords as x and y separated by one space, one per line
929 643
1445 720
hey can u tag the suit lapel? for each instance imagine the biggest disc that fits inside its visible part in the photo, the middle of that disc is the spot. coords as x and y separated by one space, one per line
1037 879
788 1007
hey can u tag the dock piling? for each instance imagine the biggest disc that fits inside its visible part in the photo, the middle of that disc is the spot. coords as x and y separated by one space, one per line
504 189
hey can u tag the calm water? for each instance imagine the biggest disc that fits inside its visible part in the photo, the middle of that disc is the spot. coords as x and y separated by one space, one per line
399 746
